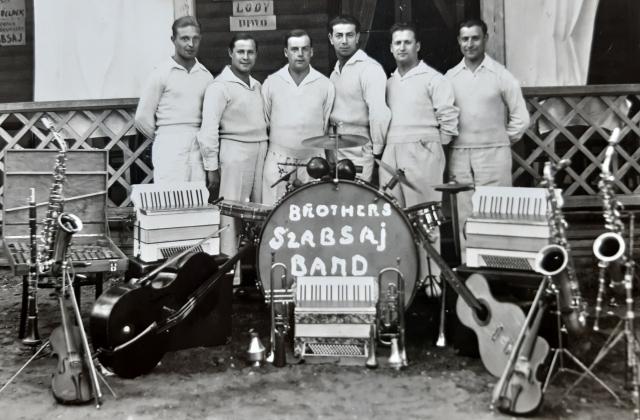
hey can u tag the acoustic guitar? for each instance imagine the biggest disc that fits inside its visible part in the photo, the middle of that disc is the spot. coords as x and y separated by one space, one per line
495 323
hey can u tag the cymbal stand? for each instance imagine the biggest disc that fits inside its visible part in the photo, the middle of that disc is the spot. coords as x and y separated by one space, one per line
561 351
35 356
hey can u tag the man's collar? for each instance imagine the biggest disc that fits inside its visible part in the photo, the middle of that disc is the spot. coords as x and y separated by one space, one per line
358 56
419 69
227 75
487 63
173 64
312 76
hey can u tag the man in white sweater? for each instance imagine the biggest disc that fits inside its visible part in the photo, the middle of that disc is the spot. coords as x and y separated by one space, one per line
233 137
493 115
297 103
170 108
359 107
423 118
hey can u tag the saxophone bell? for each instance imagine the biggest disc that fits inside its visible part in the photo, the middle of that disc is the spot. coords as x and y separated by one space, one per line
610 249
552 261
68 225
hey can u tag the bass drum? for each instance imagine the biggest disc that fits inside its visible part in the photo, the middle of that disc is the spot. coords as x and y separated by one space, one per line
336 230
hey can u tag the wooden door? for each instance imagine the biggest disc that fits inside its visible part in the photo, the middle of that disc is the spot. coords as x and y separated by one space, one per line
436 19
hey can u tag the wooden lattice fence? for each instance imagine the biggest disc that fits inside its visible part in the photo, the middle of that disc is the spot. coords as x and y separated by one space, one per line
574 122
566 122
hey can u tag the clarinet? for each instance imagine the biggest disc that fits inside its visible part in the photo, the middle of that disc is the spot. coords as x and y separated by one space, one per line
571 303
632 358
32 338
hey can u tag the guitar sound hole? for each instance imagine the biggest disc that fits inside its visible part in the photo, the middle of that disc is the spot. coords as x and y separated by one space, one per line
483 316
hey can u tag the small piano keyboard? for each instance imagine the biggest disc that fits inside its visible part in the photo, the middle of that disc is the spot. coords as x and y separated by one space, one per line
333 315
171 218
508 227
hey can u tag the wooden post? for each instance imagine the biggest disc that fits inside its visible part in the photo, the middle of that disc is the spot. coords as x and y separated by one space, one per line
184 8
493 14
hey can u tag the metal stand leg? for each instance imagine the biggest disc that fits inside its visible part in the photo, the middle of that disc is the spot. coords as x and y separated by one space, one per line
25 365
558 356
25 306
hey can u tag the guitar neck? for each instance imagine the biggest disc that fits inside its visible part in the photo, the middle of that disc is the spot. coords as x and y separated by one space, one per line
451 277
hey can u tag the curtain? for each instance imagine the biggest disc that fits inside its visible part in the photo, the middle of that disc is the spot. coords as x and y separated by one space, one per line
97 49
363 10
548 42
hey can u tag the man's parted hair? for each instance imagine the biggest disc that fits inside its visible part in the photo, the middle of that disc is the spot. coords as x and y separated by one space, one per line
296 33
404 26
183 22
242 36
470 23
346 19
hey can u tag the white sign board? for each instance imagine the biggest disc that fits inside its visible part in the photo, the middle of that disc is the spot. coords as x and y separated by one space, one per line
252 16
12 22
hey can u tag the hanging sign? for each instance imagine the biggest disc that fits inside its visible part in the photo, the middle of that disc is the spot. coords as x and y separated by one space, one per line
12 22
252 16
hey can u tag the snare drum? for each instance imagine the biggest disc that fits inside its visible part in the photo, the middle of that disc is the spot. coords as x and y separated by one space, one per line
244 210
344 229
425 216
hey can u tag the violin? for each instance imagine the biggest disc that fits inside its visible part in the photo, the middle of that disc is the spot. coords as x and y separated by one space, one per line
71 382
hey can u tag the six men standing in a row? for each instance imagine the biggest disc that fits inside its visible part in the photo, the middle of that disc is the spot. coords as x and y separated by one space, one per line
237 134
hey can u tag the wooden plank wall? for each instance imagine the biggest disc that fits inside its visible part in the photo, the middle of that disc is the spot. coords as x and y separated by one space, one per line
17 66
311 15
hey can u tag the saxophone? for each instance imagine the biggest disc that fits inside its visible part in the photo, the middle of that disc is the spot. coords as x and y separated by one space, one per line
57 226
609 247
555 260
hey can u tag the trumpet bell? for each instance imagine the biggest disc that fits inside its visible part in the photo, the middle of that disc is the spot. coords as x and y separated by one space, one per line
551 260
256 351
609 247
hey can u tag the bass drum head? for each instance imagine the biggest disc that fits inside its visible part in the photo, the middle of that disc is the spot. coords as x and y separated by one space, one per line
348 229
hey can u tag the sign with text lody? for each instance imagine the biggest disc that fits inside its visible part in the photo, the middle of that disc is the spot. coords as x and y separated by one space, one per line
12 22
252 16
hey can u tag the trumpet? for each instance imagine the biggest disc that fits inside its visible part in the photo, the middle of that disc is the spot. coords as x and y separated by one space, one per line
390 317
279 322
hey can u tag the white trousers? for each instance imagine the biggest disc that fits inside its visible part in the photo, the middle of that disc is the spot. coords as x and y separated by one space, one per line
423 164
241 165
177 158
273 171
360 156
478 166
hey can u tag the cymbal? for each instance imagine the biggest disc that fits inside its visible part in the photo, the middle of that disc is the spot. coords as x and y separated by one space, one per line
453 187
398 174
329 141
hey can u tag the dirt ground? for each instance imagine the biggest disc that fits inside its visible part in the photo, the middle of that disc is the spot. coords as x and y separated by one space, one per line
217 383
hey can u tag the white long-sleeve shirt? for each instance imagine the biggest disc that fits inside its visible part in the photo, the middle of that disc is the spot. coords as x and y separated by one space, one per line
171 97
233 111
422 108
296 112
360 99
492 108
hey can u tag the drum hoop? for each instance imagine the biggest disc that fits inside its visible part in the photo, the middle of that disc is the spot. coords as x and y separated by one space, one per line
378 192
422 206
